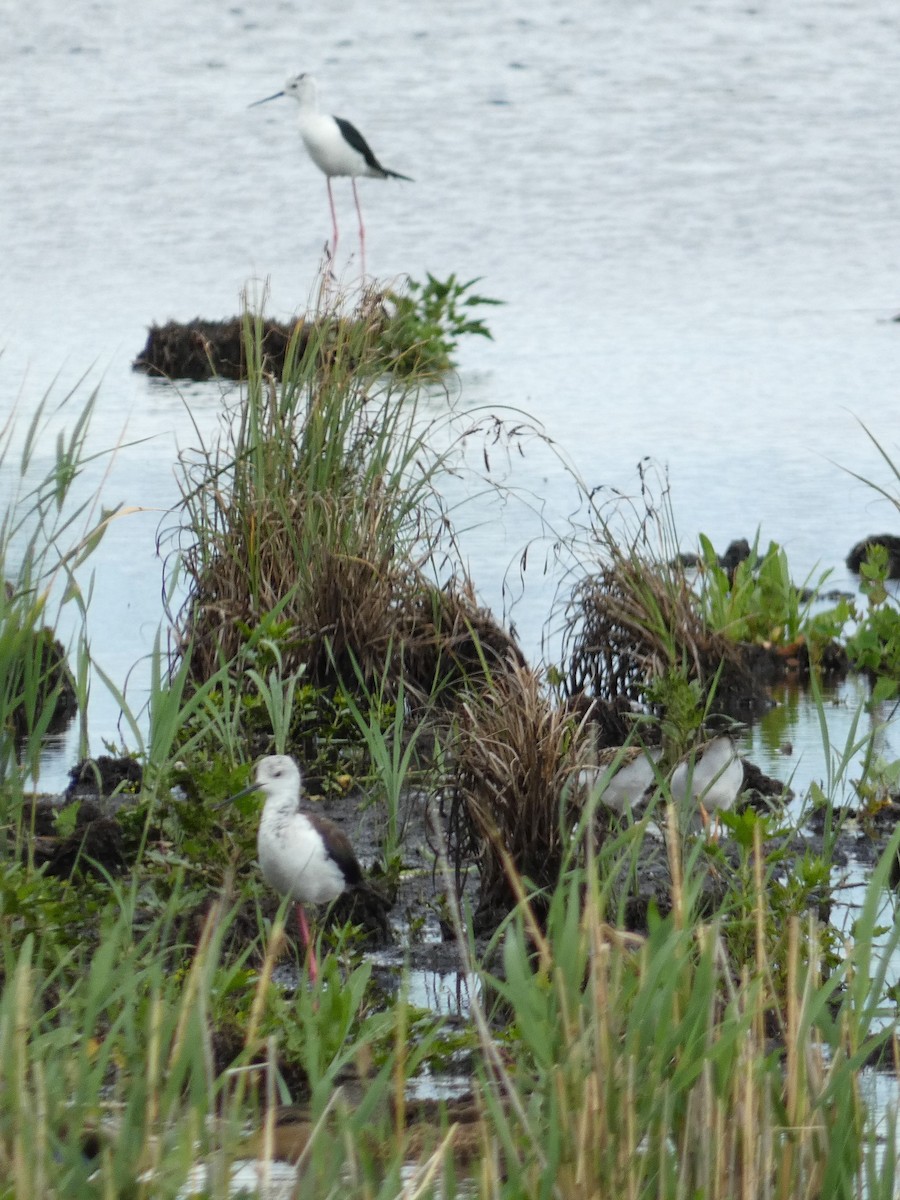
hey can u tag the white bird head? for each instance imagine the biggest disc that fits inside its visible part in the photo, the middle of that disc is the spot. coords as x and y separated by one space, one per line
303 89
279 777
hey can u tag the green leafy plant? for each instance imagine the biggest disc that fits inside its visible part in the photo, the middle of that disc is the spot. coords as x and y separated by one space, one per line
760 603
425 322
878 785
874 646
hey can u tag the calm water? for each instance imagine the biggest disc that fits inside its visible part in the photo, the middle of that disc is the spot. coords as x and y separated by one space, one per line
691 214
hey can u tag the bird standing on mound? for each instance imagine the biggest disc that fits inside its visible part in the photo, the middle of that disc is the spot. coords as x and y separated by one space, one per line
336 147
301 855
713 774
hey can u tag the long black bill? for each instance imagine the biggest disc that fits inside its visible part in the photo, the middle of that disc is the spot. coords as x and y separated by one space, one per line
266 100
251 787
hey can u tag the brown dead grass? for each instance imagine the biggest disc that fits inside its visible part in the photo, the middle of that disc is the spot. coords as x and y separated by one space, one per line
316 522
344 603
631 623
512 802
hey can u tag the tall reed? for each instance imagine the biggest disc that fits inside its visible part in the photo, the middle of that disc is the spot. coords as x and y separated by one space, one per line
652 1067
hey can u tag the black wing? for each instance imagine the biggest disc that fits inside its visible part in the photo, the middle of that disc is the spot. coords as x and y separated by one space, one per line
352 135
338 848
354 138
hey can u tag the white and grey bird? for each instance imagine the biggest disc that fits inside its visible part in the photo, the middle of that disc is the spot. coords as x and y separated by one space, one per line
301 855
623 774
336 147
713 775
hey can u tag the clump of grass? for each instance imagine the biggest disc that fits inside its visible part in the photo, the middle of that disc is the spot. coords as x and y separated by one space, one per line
640 612
514 754
316 523
634 621
48 532
136 1063
630 617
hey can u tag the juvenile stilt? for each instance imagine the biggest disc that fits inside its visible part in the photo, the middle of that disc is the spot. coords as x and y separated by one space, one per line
301 855
714 775
623 774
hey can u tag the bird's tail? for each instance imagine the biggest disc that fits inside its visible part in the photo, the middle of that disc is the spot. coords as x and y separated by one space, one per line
366 905
397 175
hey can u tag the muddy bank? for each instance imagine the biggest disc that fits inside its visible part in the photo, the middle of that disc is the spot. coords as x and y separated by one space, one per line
415 890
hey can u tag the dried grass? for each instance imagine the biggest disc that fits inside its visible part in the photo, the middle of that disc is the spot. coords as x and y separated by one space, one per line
634 621
316 522
512 801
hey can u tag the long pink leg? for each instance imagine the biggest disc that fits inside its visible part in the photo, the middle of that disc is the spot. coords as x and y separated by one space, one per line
362 228
334 227
307 942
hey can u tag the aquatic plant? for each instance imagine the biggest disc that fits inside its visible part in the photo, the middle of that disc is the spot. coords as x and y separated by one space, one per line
632 1051
48 532
874 645
759 602
425 321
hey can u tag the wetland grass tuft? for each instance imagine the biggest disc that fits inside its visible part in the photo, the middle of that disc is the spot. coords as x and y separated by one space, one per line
514 755
316 521
50 527
656 1067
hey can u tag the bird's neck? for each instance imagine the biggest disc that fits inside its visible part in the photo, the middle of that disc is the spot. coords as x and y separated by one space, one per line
720 751
308 100
277 811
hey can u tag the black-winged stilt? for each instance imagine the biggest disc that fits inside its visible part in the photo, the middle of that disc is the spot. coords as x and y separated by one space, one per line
336 147
623 774
301 855
713 775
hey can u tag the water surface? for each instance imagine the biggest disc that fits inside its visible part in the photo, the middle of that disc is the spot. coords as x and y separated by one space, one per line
691 215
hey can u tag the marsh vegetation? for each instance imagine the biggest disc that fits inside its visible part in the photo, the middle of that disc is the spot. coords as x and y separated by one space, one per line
710 1036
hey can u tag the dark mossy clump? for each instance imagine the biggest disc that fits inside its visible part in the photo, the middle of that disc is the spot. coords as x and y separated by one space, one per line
860 552
200 350
58 683
743 688
44 672
103 776
95 846
414 333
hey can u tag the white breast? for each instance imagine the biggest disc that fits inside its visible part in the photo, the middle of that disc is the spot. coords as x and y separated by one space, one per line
633 775
294 862
327 147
